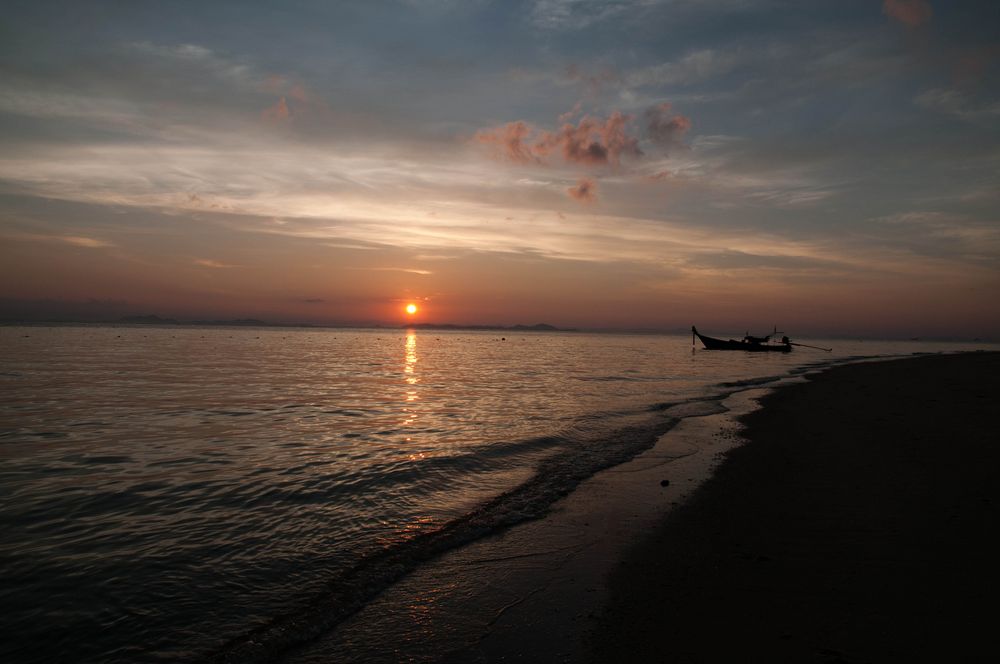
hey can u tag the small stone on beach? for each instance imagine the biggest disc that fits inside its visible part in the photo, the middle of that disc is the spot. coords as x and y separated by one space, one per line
664 482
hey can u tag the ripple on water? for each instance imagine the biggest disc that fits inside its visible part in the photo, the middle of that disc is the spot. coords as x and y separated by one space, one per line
164 490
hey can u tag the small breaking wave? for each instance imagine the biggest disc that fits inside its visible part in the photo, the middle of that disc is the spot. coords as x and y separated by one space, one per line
350 589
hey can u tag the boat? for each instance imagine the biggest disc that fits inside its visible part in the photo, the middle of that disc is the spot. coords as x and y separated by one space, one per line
747 343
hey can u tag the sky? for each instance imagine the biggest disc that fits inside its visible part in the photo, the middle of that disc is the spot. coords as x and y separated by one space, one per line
829 167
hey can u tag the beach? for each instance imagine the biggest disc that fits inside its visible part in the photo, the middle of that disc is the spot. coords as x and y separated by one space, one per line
853 526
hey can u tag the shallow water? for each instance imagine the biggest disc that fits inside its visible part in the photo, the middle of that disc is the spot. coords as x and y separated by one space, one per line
165 490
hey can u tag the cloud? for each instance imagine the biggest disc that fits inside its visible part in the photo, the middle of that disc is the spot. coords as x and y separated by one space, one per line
208 262
191 57
570 114
176 51
791 196
594 141
908 12
585 191
510 140
575 14
953 102
732 259
409 270
664 129
88 242
595 81
75 240
694 67
277 113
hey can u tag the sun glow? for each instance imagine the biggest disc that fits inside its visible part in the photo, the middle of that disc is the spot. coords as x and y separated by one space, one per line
411 309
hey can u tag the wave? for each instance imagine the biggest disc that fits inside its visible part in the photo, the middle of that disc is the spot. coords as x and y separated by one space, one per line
580 452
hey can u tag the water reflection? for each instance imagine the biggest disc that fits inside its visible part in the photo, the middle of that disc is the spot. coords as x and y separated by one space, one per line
410 373
411 360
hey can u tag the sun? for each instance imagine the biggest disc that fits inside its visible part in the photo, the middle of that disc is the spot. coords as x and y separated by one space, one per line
411 308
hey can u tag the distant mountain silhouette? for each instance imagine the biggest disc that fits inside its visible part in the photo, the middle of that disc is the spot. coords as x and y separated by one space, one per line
153 319
538 327
148 319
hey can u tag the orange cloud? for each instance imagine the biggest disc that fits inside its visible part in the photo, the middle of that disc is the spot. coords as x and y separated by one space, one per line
665 130
585 191
593 141
909 12
88 242
510 140
208 262
277 113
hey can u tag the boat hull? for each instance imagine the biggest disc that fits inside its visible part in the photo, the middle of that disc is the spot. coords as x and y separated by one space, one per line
711 343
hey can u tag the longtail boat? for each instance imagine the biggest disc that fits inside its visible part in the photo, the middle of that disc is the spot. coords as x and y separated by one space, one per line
747 343
752 344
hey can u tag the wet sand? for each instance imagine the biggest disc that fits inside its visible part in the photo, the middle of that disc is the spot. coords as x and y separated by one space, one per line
854 526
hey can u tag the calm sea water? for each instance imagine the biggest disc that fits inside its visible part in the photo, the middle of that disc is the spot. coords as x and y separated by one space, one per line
163 491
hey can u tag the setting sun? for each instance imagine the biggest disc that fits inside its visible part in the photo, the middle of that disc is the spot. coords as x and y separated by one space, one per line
411 309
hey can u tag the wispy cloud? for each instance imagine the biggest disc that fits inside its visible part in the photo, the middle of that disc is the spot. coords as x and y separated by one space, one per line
408 270
88 242
75 240
65 104
958 104
577 14
200 57
214 264
695 67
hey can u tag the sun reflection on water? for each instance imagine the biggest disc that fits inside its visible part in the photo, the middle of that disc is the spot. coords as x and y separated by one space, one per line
409 371
411 359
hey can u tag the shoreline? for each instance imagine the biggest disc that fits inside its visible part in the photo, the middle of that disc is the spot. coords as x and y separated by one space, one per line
533 591
853 526
551 589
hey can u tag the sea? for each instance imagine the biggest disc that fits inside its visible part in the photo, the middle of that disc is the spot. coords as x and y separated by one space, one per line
186 493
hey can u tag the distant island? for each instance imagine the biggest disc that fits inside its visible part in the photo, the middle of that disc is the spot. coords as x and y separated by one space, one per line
538 327
153 319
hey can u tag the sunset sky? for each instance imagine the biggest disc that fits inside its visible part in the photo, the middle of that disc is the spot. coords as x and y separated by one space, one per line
832 167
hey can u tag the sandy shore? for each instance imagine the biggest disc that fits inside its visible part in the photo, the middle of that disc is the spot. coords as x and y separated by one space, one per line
853 527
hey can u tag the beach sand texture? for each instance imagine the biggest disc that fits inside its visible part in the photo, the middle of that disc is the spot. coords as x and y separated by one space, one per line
855 526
